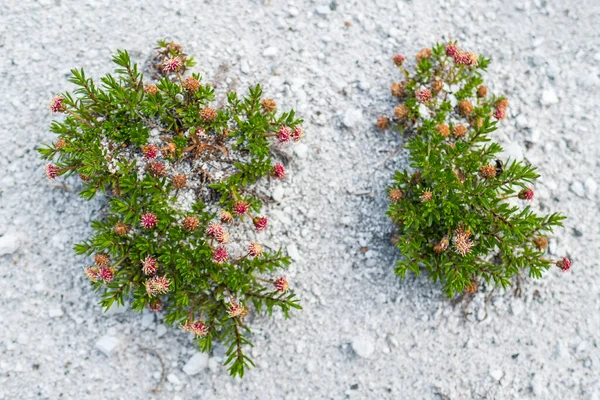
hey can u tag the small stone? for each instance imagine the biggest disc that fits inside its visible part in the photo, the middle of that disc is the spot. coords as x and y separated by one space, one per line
496 374
590 187
351 118
107 344
147 320
270 52
323 10
9 243
549 96
363 346
301 150
278 193
511 151
197 363
55 312
161 330
293 252
577 188
516 307
173 379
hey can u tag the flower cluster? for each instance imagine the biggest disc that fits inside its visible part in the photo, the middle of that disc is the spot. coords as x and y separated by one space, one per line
456 210
183 227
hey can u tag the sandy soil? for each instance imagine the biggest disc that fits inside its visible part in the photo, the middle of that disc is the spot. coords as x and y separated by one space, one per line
363 334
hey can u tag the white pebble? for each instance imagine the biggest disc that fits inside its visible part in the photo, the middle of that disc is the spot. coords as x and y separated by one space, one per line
351 118
591 187
107 344
9 243
577 188
173 379
270 52
197 363
363 346
278 193
549 96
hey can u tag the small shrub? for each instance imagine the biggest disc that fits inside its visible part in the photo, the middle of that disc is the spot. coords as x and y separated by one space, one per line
179 234
456 211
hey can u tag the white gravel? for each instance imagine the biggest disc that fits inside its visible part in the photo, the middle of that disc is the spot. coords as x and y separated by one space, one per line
543 345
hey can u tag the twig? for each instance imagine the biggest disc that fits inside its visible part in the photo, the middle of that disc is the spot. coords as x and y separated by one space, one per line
163 374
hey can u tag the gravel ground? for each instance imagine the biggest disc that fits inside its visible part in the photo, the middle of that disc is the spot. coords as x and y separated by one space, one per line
363 334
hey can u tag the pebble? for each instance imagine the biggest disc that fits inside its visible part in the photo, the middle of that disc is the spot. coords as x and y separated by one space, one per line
173 379
55 312
352 117
301 150
270 52
9 243
107 344
496 374
293 252
512 150
161 330
278 193
577 188
197 363
323 10
363 346
549 96
590 187
516 307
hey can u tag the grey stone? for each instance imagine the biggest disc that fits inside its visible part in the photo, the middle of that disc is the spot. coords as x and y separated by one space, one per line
196 363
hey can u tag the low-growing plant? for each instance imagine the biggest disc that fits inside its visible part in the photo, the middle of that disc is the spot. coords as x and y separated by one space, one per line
456 211
179 232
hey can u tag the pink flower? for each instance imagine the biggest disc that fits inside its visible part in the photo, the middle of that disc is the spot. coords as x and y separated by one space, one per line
564 264
197 328
398 59
297 134
149 265
423 95
150 151
235 310
57 105
462 243
149 220
466 58
226 217
214 230
172 64
284 134
427 195
220 255
107 274
452 50
260 223
157 285
526 194
241 207
93 273
255 249
500 113
281 285
278 171
158 169
52 171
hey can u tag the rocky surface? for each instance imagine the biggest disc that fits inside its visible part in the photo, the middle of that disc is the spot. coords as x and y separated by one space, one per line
363 333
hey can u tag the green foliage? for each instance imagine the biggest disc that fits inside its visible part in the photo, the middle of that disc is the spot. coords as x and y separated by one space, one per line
153 148
459 212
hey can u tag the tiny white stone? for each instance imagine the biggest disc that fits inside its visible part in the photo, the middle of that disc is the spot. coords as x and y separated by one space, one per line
352 118
577 188
591 187
496 374
270 52
516 307
161 330
293 252
107 344
363 346
512 151
173 379
55 312
278 193
549 96
9 243
301 150
197 363
323 10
